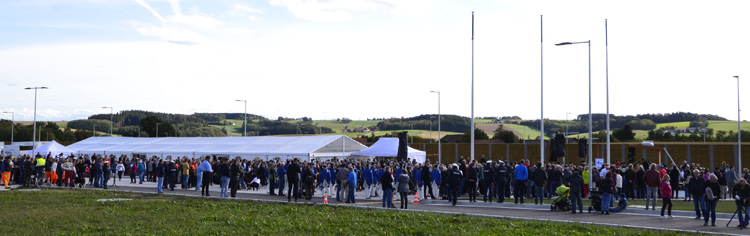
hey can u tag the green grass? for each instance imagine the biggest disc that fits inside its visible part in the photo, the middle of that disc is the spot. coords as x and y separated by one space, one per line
71 212
727 125
525 131
679 125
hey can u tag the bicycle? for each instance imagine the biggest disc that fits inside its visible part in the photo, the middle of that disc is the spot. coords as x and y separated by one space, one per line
40 180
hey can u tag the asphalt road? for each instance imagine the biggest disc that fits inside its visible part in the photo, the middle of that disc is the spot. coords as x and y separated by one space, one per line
639 218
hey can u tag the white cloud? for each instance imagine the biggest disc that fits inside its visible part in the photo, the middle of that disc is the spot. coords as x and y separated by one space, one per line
341 10
173 35
253 18
199 21
176 28
247 8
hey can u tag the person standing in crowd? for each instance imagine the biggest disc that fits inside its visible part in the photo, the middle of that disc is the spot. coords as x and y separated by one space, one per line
666 195
471 183
70 173
711 199
427 179
185 171
173 172
281 172
585 175
308 179
234 182
576 186
607 187
521 175
225 175
149 170
652 179
272 179
674 181
293 179
454 181
133 171
731 178
160 173
98 173
352 181
403 189
698 191
342 176
501 180
141 171
105 172
386 183
120 170
488 178
630 174
207 172
5 169
741 194
539 176
640 183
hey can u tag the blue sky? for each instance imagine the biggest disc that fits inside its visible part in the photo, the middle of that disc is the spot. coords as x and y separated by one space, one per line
363 58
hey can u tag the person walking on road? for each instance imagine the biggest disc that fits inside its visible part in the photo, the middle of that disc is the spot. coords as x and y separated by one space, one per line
697 191
666 195
454 181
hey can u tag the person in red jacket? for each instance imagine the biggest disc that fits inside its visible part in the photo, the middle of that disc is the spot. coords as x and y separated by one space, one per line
652 180
666 195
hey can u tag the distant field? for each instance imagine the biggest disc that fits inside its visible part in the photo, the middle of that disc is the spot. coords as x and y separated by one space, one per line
337 127
639 134
525 131
679 125
727 125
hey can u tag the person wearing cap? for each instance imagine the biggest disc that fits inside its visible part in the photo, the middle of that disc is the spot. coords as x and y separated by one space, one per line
455 178
105 173
501 181
488 178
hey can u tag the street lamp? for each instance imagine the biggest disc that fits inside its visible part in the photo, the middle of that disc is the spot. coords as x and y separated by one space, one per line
566 124
12 123
739 130
440 147
157 129
591 179
244 134
33 136
111 116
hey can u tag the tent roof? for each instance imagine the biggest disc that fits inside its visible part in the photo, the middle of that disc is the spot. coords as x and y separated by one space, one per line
54 148
388 147
310 146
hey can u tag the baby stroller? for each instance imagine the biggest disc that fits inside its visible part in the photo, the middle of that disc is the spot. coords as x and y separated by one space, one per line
596 200
562 201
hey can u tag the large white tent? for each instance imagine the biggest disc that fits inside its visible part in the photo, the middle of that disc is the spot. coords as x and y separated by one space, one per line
388 147
53 148
263 147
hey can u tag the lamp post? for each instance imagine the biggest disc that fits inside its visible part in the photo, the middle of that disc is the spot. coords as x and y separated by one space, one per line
33 136
245 101
12 123
111 116
590 123
440 147
739 129
93 131
157 129
566 124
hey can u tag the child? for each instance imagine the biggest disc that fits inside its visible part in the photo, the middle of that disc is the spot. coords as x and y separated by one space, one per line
666 195
621 205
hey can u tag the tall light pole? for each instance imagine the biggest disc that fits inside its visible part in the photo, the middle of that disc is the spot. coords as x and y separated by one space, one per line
12 123
111 119
440 147
244 134
591 179
33 136
541 120
93 131
472 85
157 129
606 46
566 124
739 129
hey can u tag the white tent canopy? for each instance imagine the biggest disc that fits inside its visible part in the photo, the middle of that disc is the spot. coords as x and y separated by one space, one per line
263 147
388 147
53 148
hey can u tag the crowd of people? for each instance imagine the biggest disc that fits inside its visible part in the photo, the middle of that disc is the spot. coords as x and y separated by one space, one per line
395 181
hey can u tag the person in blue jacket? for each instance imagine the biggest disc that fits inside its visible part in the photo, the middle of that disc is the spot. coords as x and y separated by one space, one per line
522 175
367 176
281 172
377 173
353 185
436 176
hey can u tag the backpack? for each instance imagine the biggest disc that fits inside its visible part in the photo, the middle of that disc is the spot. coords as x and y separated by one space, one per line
709 194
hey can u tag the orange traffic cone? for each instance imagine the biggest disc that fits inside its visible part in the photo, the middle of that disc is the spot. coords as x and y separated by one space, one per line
325 199
416 197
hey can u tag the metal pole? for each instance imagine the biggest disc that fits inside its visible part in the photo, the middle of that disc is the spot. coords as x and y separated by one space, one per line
739 128
157 129
606 46
541 121
591 179
93 131
245 133
472 85
440 146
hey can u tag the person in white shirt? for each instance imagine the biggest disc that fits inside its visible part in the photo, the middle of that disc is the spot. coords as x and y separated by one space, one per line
120 169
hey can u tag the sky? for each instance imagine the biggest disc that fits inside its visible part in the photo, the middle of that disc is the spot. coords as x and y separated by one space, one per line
362 59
